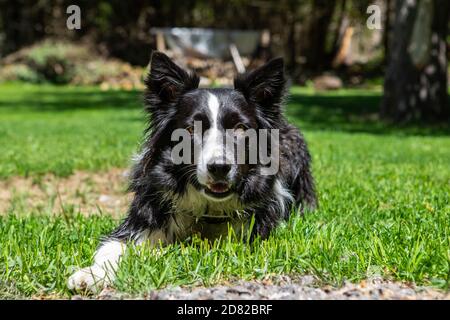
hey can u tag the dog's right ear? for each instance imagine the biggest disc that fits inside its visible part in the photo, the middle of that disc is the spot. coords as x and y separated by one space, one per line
166 81
165 84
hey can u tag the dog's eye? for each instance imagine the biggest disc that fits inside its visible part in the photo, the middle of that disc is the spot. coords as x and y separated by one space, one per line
190 129
240 126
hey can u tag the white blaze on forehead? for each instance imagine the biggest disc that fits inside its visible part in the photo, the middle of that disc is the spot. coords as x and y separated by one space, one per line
213 106
212 147
212 144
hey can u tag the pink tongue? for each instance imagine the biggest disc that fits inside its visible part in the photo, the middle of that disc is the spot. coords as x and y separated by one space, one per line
219 187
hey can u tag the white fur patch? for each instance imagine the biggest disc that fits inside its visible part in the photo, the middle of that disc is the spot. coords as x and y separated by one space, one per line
192 206
91 279
283 195
194 203
137 157
213 105
212 147
102 272
158 236
109 253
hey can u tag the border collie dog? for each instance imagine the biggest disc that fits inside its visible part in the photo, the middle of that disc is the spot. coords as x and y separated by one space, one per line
206 196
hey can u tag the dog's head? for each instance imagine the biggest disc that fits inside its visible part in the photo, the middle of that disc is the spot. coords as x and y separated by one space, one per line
206 128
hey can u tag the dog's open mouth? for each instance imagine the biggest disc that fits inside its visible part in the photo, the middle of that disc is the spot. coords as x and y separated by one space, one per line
218 189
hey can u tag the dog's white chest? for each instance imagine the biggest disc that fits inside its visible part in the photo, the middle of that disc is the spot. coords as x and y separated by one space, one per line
195 214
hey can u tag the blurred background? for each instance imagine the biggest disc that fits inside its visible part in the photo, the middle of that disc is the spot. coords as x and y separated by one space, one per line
368 89
327 45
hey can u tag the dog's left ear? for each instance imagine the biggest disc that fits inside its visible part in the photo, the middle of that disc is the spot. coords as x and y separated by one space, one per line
264 86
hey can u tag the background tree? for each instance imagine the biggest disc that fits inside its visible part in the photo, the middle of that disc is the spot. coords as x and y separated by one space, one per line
321 14
415 87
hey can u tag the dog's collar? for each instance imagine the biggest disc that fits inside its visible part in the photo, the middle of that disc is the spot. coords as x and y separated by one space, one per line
208 219
215 220
211 219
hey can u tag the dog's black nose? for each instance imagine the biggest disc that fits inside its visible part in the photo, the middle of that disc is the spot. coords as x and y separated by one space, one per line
218 170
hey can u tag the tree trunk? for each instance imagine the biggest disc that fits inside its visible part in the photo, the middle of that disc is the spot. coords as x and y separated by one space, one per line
415 86
387 30
343 24
317 56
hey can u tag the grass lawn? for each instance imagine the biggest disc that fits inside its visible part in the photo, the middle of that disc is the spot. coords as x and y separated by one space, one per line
384 196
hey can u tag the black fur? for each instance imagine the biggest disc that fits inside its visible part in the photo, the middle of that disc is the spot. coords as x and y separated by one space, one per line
173 100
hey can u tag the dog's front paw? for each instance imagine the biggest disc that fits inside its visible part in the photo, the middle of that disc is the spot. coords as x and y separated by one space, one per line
91 279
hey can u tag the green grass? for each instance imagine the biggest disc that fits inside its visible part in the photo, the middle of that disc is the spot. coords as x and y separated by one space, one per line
384 196
60 129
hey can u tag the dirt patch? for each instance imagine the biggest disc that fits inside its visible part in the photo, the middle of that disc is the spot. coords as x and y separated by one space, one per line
84 192
303 288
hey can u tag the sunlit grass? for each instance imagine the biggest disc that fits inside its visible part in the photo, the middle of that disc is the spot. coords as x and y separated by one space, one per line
383 192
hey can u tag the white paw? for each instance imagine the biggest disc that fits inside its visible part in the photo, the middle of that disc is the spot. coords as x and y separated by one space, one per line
92 279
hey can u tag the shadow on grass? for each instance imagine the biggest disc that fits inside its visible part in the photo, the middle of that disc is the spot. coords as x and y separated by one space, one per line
63 100
345 110
351 113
